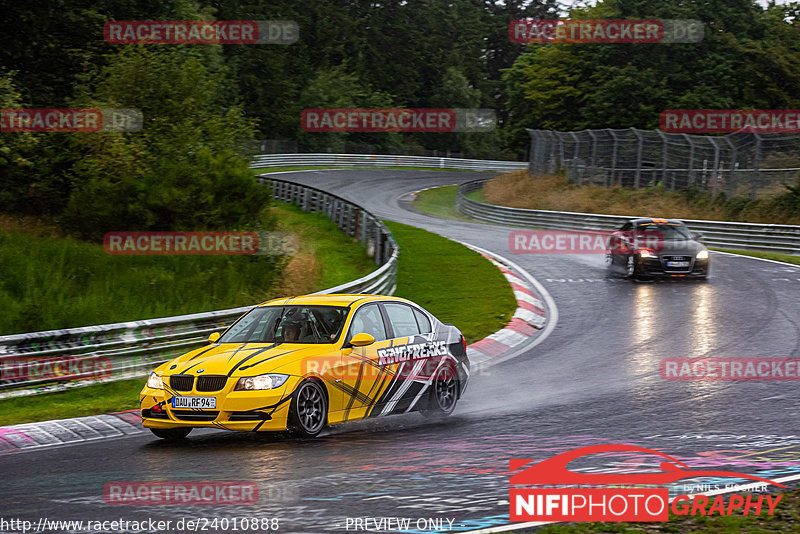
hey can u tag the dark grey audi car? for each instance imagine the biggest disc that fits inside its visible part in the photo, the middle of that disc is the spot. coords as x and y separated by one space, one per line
653 247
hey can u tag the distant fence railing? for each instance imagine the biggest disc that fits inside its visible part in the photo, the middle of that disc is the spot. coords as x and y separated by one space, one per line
378 160
733 235
742 163
122 350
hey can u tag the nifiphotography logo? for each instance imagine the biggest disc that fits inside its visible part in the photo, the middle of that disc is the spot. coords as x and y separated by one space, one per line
632 497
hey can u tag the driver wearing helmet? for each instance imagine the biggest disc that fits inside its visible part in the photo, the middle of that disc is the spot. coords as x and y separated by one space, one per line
291 331
292 324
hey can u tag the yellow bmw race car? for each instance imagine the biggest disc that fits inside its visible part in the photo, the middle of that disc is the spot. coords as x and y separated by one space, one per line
302 363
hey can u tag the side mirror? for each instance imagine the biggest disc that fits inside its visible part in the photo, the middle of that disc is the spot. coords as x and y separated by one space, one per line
213 337
362 340
697 236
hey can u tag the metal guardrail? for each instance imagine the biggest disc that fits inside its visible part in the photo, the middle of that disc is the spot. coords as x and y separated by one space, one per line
376 160
734 235
123 350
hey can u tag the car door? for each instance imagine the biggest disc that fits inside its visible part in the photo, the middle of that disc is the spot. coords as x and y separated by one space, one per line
362 378
413 355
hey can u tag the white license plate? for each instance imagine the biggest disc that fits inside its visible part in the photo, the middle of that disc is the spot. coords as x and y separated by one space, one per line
194 402
677 264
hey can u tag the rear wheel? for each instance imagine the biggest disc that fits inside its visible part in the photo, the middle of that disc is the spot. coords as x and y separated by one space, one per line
171 434
308 412
444 392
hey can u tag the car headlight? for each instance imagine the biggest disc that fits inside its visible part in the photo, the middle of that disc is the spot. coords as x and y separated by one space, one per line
702 255
154 381
647 253
252 383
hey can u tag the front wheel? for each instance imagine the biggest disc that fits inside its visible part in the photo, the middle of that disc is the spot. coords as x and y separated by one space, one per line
630 267
443 392
308 412
171 434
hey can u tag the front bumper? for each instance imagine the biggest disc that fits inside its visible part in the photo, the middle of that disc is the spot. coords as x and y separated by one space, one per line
657 267
235 410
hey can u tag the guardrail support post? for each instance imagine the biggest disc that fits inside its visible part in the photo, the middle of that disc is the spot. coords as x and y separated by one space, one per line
378 245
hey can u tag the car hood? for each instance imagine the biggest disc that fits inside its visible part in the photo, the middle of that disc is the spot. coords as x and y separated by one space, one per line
246 359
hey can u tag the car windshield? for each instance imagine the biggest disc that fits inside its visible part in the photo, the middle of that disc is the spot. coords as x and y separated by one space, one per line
664 231
288 324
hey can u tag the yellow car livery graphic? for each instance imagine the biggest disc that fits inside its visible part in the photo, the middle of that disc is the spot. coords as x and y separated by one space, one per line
302 363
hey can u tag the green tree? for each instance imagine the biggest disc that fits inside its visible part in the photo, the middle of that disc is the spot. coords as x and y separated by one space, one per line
336 87
17 155
183 171
748 58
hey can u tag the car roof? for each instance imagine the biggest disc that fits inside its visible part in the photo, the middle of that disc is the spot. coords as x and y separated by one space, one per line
656 220
335 299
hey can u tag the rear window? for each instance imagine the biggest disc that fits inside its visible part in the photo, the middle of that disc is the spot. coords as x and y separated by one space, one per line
423 321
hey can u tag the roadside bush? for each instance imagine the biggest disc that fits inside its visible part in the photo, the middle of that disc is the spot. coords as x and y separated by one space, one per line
183 171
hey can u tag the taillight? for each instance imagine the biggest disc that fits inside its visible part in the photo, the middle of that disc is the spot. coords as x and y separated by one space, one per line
464 344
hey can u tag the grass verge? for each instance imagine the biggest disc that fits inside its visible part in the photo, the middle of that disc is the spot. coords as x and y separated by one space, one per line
785 519
74 402
775 256
51 282
327 258
520 190
454 298
441 202
454 283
